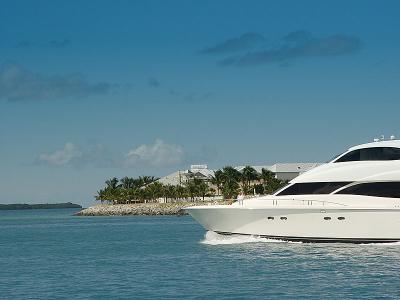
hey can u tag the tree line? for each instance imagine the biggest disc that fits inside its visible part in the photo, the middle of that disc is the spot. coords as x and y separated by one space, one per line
228 182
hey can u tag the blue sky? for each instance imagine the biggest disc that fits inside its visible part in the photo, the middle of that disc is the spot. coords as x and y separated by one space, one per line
99 89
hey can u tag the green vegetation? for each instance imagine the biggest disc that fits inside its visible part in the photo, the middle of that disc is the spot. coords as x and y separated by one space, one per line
38 206
227 182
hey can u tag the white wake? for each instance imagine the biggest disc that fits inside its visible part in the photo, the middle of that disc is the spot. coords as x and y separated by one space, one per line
213 238
382 244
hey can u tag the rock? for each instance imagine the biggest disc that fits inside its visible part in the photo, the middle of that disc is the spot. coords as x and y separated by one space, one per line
142 209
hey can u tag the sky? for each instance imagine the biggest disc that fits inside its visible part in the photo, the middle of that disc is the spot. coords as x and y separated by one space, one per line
90 90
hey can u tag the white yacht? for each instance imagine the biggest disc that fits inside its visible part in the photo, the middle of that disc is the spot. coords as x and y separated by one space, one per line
353 198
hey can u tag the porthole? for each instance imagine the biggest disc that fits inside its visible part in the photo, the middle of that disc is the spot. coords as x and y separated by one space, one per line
271 218
283 218
341 218
327 218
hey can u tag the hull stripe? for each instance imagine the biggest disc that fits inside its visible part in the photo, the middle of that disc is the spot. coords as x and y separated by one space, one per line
320 239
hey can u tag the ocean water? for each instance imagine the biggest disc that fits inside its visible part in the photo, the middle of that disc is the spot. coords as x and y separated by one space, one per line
50 254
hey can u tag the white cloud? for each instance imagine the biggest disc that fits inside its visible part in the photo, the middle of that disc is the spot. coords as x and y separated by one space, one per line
156 155
62 156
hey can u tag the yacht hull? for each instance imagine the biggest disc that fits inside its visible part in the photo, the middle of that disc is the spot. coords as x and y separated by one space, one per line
317 224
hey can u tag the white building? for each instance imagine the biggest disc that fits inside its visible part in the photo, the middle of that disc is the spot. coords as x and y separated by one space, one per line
283 171
181 177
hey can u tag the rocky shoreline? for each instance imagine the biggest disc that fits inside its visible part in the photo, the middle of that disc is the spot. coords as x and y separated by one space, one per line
142 209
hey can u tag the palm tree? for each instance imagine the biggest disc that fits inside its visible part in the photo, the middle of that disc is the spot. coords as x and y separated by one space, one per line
111 192
191 187
155 190
147 179
249 174
170 192
212 192
230 189
231 174
231 178
202 188
181 192
142 195
112 183
132 194
137 183
266 175
113 195
127 182
271 184
217 180
100 195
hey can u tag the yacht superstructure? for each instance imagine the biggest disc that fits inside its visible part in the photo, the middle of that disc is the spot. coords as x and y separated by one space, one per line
353 198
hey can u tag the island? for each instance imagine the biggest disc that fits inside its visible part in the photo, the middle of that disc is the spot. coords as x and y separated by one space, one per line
39 206
149 195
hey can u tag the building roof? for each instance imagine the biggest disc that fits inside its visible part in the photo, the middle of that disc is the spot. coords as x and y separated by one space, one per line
284 167
292 167
200 171
179 177
172 179
257 168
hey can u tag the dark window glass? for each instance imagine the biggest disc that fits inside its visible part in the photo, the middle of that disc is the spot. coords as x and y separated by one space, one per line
312 188
377 189
351 156
377 153
391 153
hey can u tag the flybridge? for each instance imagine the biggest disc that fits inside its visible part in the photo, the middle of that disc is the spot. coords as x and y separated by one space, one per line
393 142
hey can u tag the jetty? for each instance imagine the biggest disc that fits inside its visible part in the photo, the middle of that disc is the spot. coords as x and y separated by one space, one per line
143 209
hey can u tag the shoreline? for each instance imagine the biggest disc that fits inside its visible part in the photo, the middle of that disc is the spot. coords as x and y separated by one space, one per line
25 206
143 209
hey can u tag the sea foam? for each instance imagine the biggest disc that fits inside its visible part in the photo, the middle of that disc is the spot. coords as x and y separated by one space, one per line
213 238
382 244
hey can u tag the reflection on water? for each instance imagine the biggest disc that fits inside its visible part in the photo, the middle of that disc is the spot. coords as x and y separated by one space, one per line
331 270
51 254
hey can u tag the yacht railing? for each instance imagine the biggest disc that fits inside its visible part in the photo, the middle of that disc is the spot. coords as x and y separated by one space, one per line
300 202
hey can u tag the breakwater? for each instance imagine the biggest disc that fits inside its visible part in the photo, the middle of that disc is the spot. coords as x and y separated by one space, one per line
142 209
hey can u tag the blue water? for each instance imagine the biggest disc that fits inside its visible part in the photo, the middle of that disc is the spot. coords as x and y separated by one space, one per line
49 254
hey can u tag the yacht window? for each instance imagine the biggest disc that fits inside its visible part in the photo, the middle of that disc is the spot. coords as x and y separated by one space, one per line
312 188
341 218
351 156
284 218
391 153
376 189
327 218
270 218
376 153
